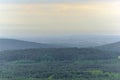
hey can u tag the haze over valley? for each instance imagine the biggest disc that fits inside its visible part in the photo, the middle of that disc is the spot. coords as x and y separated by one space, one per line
59 40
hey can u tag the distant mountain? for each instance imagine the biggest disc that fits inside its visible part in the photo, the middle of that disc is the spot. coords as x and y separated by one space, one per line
13 44
110 47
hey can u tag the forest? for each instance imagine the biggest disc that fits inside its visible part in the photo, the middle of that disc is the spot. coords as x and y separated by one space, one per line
59 64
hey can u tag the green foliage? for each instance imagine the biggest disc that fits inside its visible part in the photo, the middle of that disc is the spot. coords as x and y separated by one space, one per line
59 64
51 77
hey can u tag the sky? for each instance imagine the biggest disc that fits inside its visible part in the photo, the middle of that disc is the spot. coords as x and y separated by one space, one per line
30 18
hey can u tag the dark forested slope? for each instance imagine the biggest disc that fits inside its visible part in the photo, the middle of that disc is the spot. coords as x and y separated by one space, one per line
13 44
110 47
59 64
53 54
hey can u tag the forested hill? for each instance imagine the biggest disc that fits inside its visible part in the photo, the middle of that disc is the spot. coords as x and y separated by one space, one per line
59 64
115 47
53 54
13 44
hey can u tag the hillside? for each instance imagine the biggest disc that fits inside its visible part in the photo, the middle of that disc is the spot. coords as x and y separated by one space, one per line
60 54
110 47
13 44
59 64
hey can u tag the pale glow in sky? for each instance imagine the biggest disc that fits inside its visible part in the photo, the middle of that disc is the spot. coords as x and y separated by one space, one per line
59 18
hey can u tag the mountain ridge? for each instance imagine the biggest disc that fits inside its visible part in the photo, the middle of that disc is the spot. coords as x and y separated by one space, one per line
110 47
11 44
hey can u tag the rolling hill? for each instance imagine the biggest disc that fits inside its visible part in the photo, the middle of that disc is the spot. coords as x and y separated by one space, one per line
56 54
13 44
110 47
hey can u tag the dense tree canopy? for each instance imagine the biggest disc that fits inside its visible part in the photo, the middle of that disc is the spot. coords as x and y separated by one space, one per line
59 64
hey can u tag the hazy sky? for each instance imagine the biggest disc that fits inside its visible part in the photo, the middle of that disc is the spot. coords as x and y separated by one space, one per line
56 17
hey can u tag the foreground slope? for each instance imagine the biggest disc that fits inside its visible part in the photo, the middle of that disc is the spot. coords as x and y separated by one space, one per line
59 64
54 54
